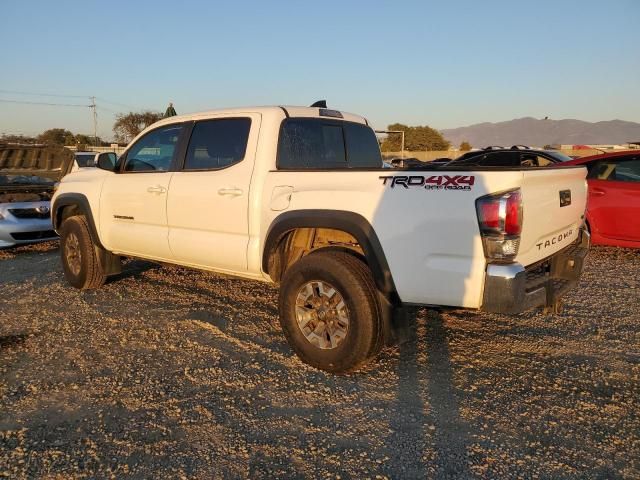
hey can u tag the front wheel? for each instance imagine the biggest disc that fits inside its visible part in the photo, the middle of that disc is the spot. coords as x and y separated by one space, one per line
79 260
329 311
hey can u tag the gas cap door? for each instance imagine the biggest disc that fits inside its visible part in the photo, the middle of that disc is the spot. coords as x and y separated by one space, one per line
281 197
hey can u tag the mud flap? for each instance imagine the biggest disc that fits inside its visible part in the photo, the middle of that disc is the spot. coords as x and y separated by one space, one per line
395 321
109 263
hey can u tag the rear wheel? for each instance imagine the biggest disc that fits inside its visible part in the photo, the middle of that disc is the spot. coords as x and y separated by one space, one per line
79 260
329 311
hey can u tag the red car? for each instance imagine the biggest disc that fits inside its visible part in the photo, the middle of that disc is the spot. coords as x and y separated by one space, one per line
613 205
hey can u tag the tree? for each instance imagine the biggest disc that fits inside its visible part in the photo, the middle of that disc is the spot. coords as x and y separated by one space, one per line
18 139
465 146
418 138
127 126
57 136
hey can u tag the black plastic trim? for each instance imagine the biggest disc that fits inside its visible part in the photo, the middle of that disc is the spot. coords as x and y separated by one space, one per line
286 113
349 222
79 200
177 162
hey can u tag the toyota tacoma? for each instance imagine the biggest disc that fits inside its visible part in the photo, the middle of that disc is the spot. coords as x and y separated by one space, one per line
298 196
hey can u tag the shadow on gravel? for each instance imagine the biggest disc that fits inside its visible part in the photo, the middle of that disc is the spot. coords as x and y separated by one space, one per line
133 269
12 340
415 432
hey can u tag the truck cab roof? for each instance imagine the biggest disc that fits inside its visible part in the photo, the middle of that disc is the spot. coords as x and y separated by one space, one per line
282 110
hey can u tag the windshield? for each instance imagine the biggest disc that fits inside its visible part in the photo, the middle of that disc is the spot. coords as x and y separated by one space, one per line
84 159
559 155
25 180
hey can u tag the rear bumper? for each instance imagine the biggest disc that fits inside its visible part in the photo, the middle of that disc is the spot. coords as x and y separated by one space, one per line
513 288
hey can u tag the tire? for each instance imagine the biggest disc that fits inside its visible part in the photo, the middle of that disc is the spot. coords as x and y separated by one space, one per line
330 346
79 261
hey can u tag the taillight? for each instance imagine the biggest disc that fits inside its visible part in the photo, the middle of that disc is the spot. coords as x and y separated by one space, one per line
513 218
500 222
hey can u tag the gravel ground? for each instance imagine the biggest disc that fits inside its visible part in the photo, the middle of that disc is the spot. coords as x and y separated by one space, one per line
173 373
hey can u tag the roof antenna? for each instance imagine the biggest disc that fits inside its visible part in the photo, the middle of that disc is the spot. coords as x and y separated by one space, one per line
320 104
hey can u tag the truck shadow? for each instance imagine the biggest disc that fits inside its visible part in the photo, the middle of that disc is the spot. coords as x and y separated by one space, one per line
133 268
429 438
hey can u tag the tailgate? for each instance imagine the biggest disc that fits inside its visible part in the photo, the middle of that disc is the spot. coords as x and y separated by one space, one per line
549 223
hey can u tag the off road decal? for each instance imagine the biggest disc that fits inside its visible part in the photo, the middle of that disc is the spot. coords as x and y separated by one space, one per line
432 182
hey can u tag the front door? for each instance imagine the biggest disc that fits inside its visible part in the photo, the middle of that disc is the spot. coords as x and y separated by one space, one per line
208 204
614 197
133 204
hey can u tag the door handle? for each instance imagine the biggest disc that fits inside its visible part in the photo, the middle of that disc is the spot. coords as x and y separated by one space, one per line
597 192
232 192
156 189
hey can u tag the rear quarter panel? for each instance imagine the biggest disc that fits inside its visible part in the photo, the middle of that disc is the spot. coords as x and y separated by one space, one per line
430 236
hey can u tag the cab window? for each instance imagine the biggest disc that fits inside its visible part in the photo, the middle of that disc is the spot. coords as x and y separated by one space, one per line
217 143
308 143
311 143
155 151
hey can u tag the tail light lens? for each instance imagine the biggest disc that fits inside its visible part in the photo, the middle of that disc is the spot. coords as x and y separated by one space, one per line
500 222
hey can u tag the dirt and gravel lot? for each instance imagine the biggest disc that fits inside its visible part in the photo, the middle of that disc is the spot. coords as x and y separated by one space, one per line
172 373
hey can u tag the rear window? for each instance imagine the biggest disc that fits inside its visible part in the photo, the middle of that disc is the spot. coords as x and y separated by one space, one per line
308 143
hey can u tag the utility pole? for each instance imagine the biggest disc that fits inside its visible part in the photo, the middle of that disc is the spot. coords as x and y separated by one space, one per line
95 120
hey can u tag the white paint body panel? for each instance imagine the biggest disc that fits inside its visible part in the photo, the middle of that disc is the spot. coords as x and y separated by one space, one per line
207 211
430 238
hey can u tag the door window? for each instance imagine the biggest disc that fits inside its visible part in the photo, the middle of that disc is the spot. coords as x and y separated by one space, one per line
155 151
217 143
625 169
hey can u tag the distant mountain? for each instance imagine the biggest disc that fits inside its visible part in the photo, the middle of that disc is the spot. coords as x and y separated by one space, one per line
533 132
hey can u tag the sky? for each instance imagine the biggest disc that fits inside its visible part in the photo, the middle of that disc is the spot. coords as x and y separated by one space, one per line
444 64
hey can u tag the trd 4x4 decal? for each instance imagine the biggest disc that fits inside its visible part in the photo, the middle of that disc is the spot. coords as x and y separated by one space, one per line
432 182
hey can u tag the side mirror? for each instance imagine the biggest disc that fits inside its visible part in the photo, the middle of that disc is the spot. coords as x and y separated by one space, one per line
107 161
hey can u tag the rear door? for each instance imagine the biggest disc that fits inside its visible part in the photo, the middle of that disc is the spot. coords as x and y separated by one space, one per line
553 202
133 203
614 197
208 203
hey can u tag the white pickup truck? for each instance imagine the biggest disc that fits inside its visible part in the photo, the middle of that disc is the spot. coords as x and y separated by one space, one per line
299 196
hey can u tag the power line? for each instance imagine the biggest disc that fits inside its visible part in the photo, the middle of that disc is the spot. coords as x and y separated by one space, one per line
44 103
15 92
43 94
115 103
100 107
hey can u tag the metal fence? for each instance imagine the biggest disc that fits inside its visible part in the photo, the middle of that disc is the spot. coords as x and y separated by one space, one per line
113 148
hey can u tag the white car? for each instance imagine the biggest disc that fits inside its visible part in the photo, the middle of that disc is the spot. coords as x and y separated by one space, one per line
298 196
28 175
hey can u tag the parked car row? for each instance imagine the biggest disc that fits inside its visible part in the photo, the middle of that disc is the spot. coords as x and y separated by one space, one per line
612 212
